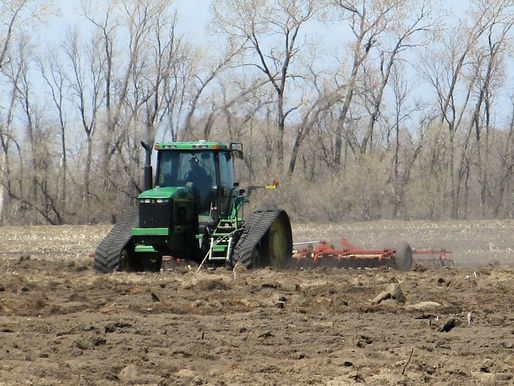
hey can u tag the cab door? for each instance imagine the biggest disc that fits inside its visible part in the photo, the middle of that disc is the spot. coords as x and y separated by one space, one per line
226 181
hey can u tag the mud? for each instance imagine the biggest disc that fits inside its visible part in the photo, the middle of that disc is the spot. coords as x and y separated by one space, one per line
60 323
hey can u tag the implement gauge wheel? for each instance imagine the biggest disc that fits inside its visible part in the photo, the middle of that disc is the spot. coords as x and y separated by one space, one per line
403 257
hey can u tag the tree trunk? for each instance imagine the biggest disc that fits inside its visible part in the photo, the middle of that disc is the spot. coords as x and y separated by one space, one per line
87 177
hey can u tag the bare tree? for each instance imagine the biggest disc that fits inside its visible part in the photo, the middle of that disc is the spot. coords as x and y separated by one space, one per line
322 103
24 93
403 36
54 75
117 69
270 32
506 155
6 138
36 192
11 15
401 171
85 84
452 76
368 20
489 66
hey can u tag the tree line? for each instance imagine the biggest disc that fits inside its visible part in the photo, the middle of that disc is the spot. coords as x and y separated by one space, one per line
364 109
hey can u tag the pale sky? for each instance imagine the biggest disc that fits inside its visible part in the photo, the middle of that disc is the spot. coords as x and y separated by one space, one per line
194 14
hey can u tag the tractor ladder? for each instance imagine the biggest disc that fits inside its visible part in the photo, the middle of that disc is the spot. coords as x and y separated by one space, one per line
222 241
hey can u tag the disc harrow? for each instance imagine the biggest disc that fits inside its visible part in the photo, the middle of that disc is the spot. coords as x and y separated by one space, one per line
402 257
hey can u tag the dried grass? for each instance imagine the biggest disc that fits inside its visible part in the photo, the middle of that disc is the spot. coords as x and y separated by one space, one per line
472 242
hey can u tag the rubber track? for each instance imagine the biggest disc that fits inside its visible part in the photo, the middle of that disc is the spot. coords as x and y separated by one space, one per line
255 228
108 252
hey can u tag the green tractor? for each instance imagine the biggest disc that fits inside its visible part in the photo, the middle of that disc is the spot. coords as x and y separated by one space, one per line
192 212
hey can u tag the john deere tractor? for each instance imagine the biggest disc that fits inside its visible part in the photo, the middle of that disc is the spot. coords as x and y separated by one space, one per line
192 211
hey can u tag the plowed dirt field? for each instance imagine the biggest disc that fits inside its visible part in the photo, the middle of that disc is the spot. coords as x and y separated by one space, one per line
61 323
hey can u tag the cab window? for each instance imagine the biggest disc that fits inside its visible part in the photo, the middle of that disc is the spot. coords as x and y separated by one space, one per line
226 170
176 167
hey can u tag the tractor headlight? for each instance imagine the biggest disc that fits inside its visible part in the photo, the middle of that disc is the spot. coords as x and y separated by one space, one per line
154 201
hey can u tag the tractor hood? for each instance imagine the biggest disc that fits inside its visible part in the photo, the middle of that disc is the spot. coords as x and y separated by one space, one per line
166 192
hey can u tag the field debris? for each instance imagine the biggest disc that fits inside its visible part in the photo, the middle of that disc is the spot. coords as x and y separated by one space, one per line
424 306
449 325
469 318
393 291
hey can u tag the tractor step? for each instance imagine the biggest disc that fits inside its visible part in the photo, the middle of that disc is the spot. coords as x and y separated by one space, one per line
222 241
144 248
219 248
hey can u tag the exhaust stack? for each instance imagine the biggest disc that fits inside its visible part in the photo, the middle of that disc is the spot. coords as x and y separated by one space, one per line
148 166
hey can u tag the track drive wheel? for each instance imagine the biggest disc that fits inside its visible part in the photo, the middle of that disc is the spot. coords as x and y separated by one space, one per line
275 248
403 257
266 240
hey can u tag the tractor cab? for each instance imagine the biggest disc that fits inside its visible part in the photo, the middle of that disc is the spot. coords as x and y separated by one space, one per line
207 168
